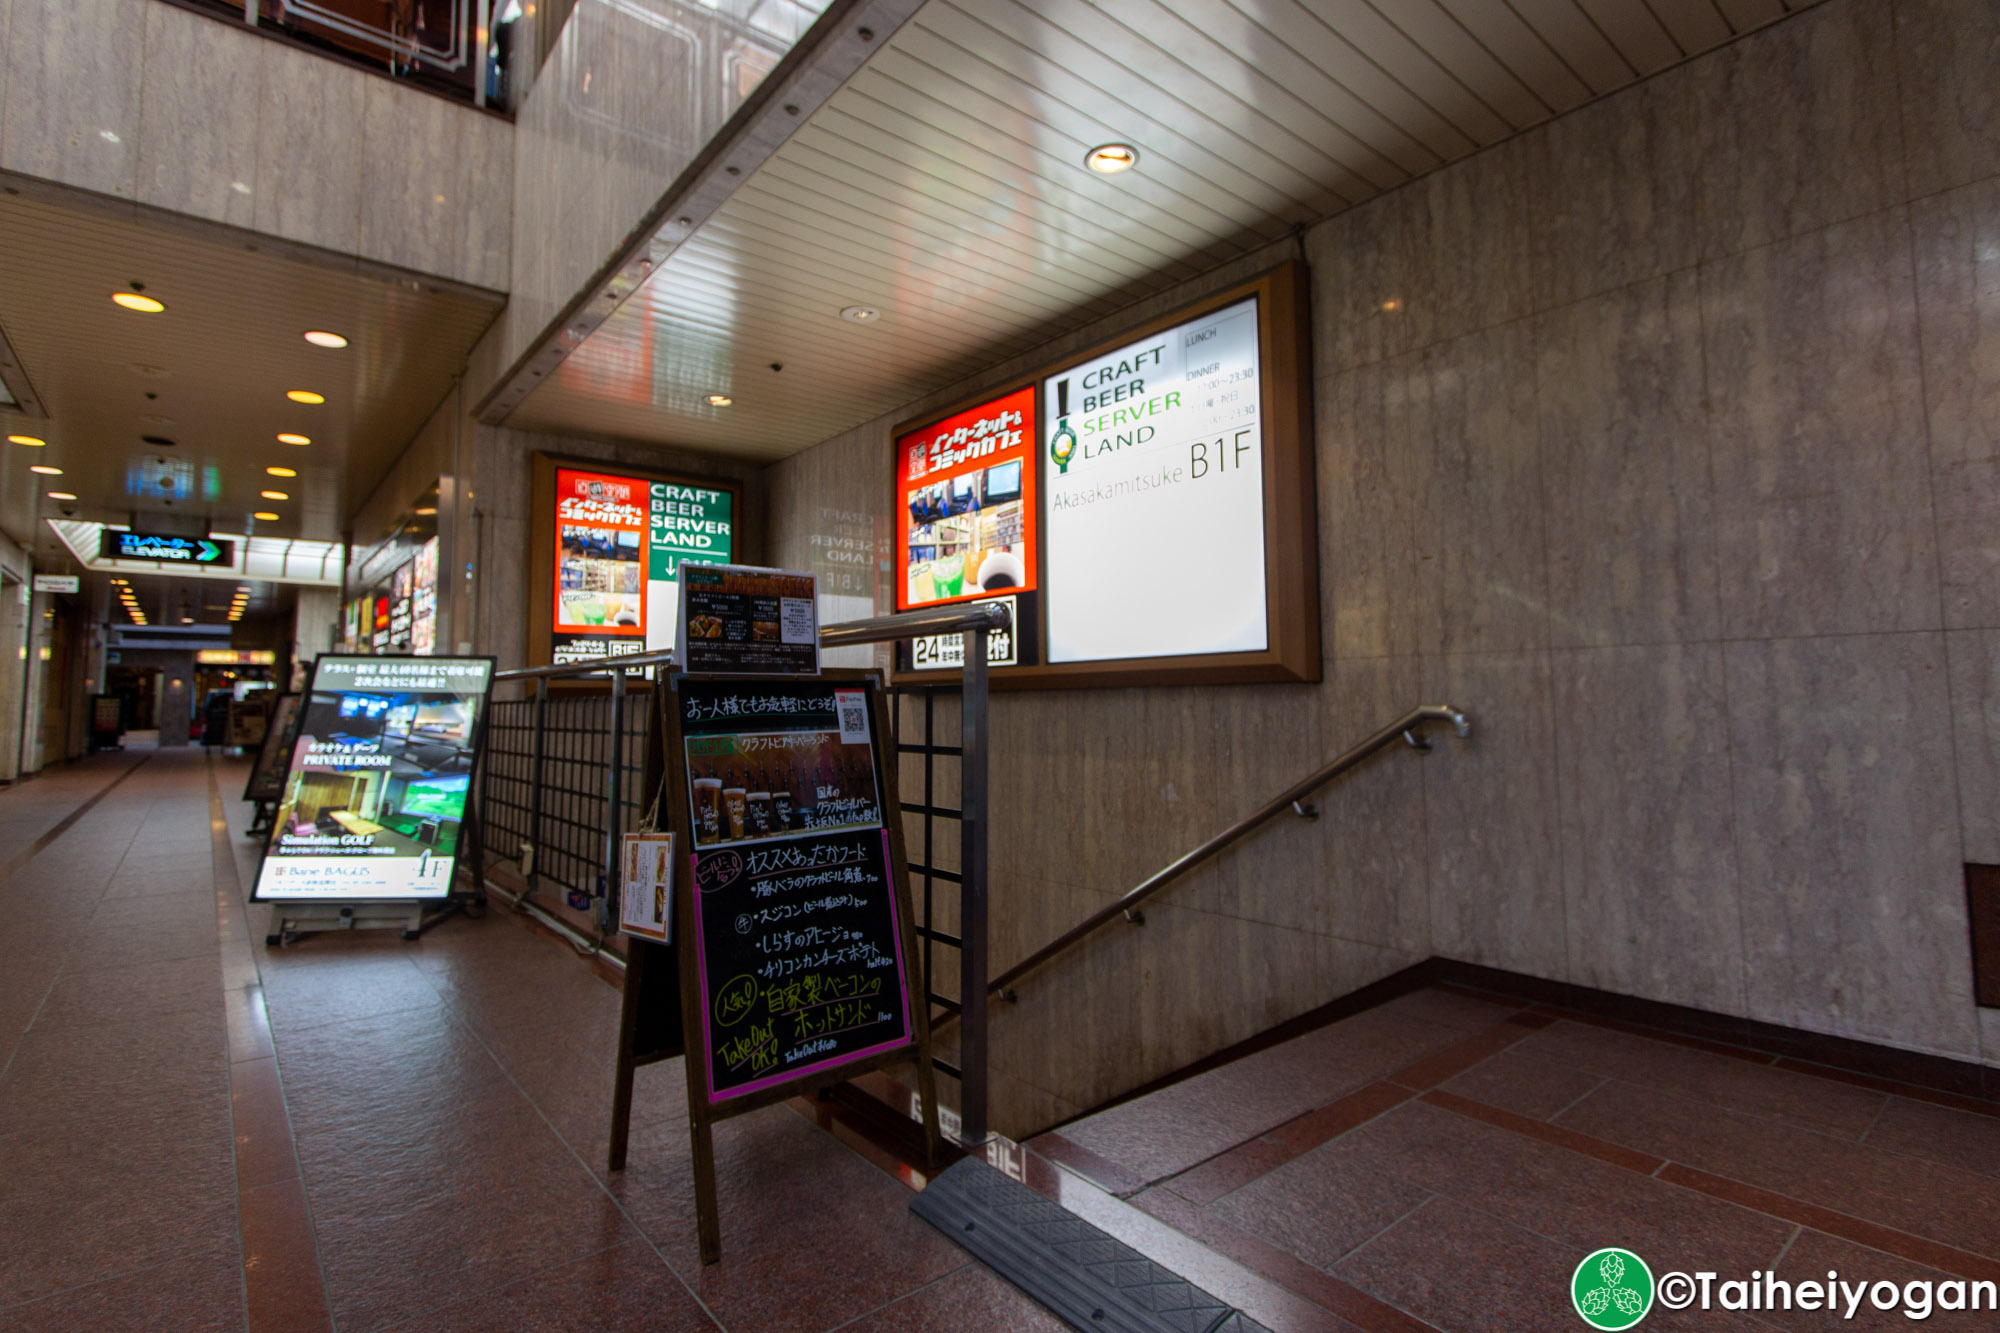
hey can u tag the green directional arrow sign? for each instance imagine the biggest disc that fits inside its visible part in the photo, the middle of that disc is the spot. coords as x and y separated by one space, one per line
209 553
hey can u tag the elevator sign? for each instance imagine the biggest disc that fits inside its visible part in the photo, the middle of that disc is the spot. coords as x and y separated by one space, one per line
167 550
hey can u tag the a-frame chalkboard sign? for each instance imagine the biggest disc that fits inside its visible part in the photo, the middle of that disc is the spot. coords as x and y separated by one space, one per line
793 965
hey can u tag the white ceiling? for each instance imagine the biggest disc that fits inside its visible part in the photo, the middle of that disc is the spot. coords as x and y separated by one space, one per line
943 185
219 361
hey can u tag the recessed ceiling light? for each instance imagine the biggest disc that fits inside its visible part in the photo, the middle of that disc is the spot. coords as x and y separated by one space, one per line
321 338
425 512
274 495
1108 159
282 471
61 495
46 470
265 516
145 305
305 396
720 400
32 441
861 314
289 437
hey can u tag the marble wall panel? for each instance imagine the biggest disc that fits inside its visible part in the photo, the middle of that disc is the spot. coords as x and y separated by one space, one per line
1625 468
1946 52
1975 714
1958 304
411 149
1648 844
486 220
1371 442
200 92
1480 543
1848 847
72 93
1822 475
1372 821
1798 128
1490 810
1442 256
309 157
1611 191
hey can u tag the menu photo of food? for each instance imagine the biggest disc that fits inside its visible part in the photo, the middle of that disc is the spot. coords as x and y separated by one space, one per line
967 500
601 578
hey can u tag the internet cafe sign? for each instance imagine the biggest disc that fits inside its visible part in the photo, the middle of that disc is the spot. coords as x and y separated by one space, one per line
1147 505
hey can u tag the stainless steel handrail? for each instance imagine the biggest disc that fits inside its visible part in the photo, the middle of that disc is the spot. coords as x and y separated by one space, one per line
1404 728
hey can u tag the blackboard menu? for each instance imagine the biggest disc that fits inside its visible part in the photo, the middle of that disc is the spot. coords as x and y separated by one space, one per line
794 910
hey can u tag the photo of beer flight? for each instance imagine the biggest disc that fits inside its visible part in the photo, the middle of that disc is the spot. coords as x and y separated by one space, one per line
767 786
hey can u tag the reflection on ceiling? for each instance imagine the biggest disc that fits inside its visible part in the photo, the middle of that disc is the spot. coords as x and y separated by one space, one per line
944 185
179 413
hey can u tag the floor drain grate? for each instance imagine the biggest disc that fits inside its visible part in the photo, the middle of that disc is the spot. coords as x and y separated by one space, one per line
1090 1280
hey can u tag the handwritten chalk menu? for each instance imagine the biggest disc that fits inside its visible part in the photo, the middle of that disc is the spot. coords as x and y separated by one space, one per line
1153 505
737 619
795 915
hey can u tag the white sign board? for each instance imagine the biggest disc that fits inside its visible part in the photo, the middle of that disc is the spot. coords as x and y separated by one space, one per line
1153 508
57 583
646 896
946 652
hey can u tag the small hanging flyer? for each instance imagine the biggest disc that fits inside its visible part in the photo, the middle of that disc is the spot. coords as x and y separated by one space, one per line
646 899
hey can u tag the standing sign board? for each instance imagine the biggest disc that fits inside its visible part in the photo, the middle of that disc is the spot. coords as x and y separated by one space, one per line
793 960
267 775
375 792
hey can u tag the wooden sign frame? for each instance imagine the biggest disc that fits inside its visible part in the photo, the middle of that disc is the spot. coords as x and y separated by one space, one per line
661 1016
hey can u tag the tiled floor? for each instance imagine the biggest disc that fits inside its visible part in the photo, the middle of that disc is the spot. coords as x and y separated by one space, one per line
360 1133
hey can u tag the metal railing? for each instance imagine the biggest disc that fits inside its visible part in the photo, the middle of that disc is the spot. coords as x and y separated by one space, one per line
561 781
1404 728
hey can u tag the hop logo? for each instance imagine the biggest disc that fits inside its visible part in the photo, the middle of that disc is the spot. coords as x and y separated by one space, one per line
1612 1289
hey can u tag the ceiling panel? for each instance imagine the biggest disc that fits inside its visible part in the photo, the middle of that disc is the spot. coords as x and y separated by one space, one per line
216 364
943 185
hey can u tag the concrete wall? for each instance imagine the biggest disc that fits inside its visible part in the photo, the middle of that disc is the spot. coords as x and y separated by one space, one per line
1677 464
144 101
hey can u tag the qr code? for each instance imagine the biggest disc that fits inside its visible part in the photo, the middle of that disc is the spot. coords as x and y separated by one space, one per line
852 706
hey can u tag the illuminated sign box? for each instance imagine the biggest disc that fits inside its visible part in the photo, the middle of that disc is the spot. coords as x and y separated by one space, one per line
1167 520
610 544
236 657
119 544
965 515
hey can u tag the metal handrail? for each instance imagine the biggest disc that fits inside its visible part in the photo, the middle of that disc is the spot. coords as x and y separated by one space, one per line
1404 727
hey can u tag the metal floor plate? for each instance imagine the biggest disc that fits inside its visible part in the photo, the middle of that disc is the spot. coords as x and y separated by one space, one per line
1090 1280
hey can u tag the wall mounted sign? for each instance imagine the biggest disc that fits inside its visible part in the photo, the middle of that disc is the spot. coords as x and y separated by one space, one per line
374 796
1168 503
946 652
236 656
613 543
123 545
965 515
58 583
737 619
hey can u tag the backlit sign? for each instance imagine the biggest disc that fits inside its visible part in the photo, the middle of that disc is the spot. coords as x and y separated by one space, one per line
1153 505
619 543
125 545
965 514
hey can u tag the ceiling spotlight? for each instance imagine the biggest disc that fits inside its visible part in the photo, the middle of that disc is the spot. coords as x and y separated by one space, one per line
425 512
274 495
321 338
145 305
861 314
32 441
305 396
61 495
720 400
282 471
265 516
46 471
1108 159
288 437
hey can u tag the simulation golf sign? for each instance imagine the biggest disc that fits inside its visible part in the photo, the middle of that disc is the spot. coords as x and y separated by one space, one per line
126 545
373 804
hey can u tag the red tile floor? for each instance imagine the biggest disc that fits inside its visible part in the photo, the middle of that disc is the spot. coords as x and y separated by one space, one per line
360 1133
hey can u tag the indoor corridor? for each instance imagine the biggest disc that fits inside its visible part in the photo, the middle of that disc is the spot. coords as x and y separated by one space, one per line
360 1133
